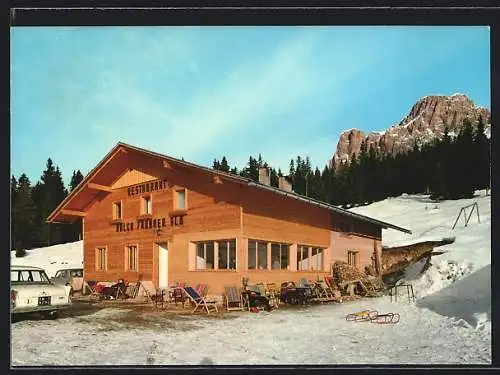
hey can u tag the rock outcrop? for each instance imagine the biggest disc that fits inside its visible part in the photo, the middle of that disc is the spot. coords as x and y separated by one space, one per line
425 122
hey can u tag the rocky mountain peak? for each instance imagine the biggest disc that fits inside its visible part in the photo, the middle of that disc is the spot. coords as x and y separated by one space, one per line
425 122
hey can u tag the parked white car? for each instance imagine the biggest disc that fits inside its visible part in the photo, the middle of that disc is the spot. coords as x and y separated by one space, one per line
32 291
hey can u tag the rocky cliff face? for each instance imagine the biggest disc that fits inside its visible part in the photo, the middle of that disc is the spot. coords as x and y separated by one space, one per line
425 122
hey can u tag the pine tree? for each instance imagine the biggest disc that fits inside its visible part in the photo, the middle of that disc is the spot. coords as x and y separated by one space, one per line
50 193
274 178
223 165
13 204
73 232
76 178
23 216
481 155
463 165
216 164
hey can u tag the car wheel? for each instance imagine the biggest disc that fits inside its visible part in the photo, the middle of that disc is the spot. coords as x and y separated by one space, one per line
51 314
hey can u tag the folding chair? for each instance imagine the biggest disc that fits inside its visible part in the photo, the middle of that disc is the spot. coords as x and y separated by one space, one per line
234 298
95 290
198 300
202 289
178 294
273 294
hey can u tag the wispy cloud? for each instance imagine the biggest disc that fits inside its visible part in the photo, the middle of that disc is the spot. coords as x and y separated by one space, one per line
202 93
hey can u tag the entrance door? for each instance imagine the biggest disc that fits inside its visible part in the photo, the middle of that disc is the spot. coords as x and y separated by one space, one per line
163 265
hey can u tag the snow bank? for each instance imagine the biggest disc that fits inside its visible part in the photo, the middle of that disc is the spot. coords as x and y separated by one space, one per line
458 282
468 299
52 258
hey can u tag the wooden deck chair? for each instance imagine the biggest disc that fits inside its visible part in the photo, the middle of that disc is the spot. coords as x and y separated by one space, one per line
178 294
325 291
234 298
273 294
95 291
202 289
199 301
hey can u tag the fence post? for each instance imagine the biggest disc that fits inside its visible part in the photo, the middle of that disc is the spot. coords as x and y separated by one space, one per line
458 217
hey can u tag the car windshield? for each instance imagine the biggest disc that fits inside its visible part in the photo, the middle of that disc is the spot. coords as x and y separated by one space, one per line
29 277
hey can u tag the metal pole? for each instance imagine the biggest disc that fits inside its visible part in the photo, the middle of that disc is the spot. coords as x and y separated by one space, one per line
458 217
477 210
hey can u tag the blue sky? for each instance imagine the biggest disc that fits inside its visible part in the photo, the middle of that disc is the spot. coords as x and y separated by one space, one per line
204 92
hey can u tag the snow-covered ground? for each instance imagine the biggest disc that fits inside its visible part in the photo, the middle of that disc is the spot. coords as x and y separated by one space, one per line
450 323
52 258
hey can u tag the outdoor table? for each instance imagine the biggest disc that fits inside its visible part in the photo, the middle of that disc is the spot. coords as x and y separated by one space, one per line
295 294
255 299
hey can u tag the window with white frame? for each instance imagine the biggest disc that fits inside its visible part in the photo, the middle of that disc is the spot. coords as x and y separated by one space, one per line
352 258
132 258
279 256
302 258
257 255
180 199
227 254
146 205
117 210
317 259
205 255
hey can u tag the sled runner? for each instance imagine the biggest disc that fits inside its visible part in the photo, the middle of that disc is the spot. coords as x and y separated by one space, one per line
390 318
362 316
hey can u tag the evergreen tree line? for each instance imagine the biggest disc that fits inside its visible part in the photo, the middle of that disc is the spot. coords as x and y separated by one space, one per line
447 168
450 168
32 204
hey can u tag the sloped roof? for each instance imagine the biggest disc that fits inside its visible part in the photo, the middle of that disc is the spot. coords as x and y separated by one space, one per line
68 210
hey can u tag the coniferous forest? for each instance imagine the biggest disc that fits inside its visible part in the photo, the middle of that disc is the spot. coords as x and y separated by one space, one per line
450 168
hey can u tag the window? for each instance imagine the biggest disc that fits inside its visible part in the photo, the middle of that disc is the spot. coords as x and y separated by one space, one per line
132 258
279 256
146 208
257 255
180 199
117 210
27 276
352 258
205 255
101 261
302 258
227 254
317 259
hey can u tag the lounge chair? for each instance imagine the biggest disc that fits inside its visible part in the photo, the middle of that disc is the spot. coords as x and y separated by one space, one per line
273 294
202 289
234 298
178 294
198 300
95 290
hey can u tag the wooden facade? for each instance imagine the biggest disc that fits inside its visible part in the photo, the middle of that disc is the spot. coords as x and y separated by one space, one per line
162 220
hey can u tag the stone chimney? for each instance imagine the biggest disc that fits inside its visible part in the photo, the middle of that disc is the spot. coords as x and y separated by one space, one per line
283 184
264 176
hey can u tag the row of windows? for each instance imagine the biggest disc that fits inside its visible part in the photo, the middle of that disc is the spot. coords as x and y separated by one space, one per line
221 255
131 258
147 207
225 251
261 255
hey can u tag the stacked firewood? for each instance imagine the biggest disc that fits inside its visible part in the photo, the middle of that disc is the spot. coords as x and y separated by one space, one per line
343 274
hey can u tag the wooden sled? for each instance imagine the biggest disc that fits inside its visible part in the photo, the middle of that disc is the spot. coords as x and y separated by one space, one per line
362 316
390 318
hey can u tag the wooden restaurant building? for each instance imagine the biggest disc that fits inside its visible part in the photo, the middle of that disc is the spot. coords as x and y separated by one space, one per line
150 216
